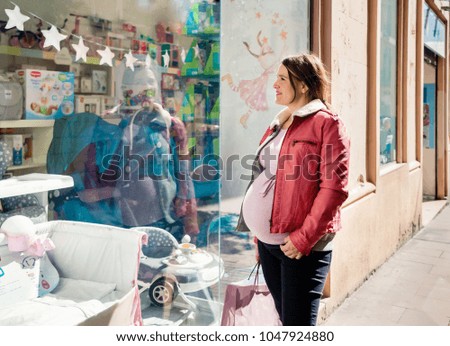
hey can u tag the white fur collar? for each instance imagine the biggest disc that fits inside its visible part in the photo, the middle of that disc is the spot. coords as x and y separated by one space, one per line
310 108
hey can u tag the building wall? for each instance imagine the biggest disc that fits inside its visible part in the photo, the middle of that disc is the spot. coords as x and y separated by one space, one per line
378 218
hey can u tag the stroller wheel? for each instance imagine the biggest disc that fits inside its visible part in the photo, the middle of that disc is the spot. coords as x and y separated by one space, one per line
163 292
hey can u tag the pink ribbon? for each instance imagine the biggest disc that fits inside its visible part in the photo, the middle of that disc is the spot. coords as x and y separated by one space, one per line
23 243
39 247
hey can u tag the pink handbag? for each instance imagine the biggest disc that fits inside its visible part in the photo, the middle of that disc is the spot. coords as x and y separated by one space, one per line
249 303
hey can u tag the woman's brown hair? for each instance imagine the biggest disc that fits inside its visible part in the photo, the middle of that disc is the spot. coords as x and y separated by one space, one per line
309 69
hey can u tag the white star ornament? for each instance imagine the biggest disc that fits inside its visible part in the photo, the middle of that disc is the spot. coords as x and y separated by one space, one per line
130 60
166 59
81 50
53 38
16 18
106 55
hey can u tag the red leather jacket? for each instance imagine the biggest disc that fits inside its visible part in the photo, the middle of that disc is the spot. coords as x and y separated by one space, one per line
311 178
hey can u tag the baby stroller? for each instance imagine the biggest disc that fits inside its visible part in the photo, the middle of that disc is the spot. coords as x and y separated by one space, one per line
169 268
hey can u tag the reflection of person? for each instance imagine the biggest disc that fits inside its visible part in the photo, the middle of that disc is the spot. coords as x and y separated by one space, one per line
298 185
426 125
152 133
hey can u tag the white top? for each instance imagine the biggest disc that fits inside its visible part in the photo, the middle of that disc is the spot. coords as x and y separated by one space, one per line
258 201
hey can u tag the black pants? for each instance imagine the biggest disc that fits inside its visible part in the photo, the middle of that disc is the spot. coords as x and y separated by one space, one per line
296 285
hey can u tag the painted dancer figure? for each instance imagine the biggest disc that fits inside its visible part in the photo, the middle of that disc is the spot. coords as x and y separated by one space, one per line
254 92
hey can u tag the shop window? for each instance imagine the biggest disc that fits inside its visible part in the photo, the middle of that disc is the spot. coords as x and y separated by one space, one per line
388 81
91 76
95 78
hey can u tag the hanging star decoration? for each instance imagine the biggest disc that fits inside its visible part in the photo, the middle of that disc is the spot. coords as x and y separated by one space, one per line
166 59
81 50
258 15
196 51
16 18
130 60
283 35
148 61
53 37
106 55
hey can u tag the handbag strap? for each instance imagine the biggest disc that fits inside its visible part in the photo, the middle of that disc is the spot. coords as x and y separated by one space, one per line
256 281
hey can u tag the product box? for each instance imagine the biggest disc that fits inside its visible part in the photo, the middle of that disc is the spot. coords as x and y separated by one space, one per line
88 104
86 84
20 145
99 82
48 94
19 277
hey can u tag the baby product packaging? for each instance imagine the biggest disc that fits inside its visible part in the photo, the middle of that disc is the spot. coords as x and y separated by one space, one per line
19 277
48 94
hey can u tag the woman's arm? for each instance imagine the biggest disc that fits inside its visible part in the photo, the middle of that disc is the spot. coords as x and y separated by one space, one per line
332 193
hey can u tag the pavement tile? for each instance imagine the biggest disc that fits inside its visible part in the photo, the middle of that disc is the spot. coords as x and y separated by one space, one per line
407 256
445 255
441 270
439 288
365 312
413 317
439 233
422 247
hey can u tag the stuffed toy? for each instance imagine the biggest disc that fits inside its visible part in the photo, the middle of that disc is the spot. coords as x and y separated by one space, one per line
20 233
48 276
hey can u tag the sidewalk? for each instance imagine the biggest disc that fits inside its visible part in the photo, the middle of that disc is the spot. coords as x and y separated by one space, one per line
411 289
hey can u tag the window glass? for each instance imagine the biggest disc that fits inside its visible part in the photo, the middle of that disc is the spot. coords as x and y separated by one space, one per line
145 104
388 81
123 96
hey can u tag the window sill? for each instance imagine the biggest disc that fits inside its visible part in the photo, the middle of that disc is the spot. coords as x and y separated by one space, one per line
414 165
390 167
358 193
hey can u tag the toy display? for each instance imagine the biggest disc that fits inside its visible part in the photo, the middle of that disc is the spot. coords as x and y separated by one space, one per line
169 268
22 267
11 100
204 17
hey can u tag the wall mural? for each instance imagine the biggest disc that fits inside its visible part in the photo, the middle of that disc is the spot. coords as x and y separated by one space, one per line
254 91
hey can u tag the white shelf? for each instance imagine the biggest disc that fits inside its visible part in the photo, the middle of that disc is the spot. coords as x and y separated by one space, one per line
27 165
26 123
114 121
33 183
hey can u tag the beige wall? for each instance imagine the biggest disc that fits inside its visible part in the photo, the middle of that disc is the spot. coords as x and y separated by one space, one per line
349 77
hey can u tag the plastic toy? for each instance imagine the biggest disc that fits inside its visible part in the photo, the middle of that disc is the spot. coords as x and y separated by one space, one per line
169 268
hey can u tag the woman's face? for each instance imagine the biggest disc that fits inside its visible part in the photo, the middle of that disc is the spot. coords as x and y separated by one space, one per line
284 91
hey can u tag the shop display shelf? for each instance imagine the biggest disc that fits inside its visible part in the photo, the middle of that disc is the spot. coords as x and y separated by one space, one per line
26 123
40 54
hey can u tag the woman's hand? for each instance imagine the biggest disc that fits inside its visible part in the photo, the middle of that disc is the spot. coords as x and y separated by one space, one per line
290 250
